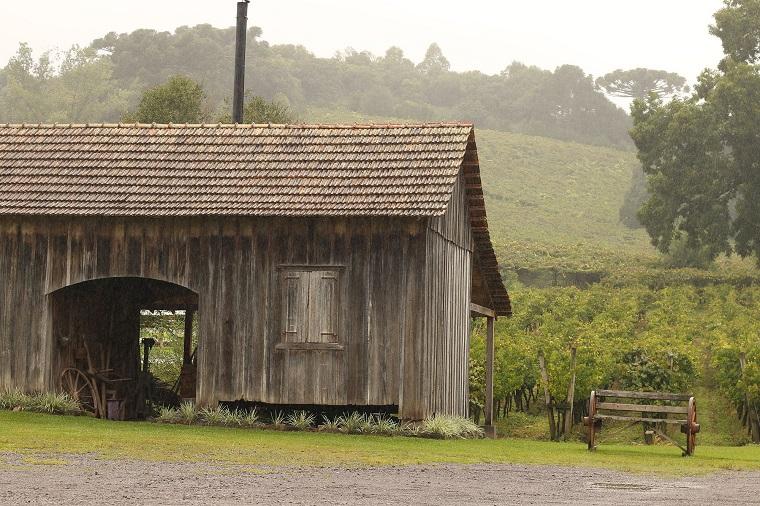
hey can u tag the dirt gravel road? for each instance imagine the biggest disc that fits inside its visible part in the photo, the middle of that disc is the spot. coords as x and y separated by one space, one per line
87 480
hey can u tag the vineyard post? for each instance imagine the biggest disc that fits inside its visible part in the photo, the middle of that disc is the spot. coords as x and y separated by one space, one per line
752 418
570 393
547 396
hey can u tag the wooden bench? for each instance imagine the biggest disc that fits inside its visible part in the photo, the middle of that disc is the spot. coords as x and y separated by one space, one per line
601 407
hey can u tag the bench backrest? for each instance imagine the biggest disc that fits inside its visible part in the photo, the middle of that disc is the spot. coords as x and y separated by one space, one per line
642 408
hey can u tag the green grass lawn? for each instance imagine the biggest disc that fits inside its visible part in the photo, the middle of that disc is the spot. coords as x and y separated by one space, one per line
44 437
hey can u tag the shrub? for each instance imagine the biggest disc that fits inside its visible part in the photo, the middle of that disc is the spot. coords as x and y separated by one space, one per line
450 427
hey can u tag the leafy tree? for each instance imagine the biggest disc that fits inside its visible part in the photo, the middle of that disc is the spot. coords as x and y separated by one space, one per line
641 82
434 61
26 95
76 87
259 110
119 68
737 27
700 153
179 100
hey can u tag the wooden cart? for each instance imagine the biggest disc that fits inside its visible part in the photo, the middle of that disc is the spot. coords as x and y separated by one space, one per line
600 408
93 387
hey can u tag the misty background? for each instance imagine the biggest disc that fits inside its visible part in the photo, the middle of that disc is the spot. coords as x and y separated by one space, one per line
485 35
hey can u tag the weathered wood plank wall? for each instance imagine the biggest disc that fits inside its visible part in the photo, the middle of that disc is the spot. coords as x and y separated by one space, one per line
232 265
441 377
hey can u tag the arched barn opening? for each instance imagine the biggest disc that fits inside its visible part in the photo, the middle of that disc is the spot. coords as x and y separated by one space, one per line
104 332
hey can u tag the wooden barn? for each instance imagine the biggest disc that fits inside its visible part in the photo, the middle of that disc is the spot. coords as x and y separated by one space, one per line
327 265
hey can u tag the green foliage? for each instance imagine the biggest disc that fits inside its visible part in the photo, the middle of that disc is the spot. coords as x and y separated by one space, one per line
700 153
680 254
76 86
179 100
640 83
737 25
259 110
45 402
668 339
638 372
168 330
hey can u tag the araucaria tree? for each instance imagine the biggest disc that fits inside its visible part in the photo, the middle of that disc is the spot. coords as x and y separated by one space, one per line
640 83
702 153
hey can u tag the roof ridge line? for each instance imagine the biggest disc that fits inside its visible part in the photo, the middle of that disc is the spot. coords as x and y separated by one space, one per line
346 126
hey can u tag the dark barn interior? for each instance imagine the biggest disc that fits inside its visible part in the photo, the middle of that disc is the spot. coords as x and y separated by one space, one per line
96 329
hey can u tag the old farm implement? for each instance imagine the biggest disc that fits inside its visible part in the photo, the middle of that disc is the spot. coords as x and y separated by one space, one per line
101 391
651 408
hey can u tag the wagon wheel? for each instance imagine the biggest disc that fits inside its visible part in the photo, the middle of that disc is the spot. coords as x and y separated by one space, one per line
79 386
692 427
592 421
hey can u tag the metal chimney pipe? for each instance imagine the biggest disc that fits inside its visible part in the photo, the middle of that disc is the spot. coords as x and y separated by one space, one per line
239 90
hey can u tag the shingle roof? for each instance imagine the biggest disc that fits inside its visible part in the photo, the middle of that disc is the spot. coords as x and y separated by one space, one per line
239 170
161 170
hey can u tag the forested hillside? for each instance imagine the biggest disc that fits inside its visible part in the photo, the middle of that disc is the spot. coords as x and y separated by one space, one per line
104 81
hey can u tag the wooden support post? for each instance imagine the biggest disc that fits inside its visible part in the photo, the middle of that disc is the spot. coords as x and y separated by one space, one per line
187 351
489 425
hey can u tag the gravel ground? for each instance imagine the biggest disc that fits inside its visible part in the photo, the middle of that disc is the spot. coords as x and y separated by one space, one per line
87 480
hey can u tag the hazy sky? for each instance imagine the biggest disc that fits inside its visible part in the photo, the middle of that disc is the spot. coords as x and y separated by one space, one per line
598 35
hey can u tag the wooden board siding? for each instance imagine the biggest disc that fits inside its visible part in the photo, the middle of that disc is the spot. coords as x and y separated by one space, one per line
441 379
232 265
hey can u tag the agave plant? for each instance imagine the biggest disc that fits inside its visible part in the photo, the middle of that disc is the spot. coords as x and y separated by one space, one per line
53 403
278 419
216 416
12 399
383 425
330 425
187 413
167 415
300 420
450 427
354 423
250 419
